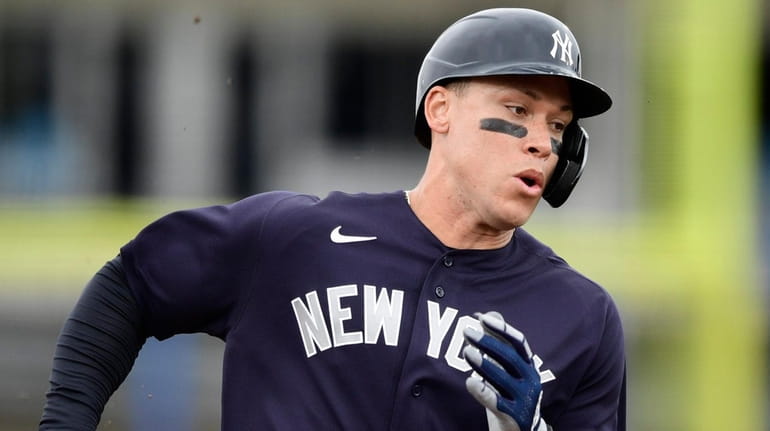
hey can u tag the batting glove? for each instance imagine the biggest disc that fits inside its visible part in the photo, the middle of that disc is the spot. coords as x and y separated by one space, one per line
509 383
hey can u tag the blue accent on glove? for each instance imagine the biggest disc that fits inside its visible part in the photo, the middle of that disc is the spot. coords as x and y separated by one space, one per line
510 382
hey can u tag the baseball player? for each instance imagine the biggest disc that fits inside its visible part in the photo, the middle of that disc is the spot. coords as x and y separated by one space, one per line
427 309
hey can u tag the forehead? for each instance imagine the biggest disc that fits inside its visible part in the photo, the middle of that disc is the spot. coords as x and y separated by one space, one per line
554 88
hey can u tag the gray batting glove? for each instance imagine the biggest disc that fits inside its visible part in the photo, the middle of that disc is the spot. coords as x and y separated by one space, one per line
508 383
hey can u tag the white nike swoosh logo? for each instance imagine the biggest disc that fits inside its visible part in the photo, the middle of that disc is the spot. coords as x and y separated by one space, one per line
340 238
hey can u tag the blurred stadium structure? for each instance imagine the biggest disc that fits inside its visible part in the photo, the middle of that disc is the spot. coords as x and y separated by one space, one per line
112 113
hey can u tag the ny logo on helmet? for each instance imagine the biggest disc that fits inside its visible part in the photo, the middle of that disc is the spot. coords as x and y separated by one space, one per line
566 47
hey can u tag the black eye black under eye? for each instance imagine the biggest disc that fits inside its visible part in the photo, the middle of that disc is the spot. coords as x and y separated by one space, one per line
501 126
556 146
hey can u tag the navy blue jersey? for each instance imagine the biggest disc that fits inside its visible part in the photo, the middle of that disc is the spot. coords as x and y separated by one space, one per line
347 313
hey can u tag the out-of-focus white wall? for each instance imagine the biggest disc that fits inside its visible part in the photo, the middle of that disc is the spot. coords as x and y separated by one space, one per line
200 99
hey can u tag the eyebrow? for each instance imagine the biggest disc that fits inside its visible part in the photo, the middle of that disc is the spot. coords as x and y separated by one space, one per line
537 96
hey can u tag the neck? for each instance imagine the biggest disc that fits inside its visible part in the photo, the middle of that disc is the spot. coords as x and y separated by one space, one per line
455 225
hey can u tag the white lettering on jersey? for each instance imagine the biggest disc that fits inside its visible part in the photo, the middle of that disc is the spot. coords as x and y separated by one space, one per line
381 315
545 375
312 326
438 325
454 356
338 315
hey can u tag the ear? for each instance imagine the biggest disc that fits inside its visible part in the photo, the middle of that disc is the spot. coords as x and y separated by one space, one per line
436 108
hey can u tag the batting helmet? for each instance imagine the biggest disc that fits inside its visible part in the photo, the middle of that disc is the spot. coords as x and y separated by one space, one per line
512 41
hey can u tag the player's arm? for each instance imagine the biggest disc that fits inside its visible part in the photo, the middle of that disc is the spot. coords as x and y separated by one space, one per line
509 383
95 351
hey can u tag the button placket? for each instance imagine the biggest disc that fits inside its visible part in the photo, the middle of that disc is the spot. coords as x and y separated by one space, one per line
439 288
448 262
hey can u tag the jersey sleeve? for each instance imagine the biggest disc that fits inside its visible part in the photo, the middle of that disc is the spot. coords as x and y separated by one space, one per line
95 351
599 401
191 270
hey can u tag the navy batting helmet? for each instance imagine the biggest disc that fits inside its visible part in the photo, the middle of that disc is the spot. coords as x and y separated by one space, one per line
512 41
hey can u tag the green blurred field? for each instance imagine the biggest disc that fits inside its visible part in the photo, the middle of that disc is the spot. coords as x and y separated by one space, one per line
56 246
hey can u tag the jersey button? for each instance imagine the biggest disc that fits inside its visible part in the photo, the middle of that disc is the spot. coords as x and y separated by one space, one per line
448 262
417 390
440 292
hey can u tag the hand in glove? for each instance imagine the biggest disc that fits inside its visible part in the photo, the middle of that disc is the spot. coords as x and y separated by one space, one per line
509 384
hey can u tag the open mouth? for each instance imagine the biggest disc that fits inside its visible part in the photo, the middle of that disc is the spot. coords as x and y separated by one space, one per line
528 181
531 178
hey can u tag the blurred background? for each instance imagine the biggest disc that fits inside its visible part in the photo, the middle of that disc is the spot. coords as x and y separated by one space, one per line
113 113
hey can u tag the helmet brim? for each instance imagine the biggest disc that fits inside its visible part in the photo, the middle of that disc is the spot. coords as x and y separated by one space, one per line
588 99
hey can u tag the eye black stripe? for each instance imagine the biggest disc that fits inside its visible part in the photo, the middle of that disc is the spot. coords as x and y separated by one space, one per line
556 146
502 126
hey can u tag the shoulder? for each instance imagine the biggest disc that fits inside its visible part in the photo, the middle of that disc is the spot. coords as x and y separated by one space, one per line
286 201
336 204
214 223
361 200
534 247
274 201
565 283
286 215
592 343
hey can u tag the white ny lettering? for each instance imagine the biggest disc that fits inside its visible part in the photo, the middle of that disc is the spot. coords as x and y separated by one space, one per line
566 47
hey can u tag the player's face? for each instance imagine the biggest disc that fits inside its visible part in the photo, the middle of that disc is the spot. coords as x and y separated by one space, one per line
505 134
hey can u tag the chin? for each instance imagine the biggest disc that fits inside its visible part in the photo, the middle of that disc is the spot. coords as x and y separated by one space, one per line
513 221
520 223
518 216
510 213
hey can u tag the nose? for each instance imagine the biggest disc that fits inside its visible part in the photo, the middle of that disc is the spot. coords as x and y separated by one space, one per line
538 142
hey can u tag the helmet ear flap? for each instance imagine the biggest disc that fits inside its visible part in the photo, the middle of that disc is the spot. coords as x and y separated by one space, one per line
570 166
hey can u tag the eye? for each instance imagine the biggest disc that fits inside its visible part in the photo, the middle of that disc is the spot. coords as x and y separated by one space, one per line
518 110
558 126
